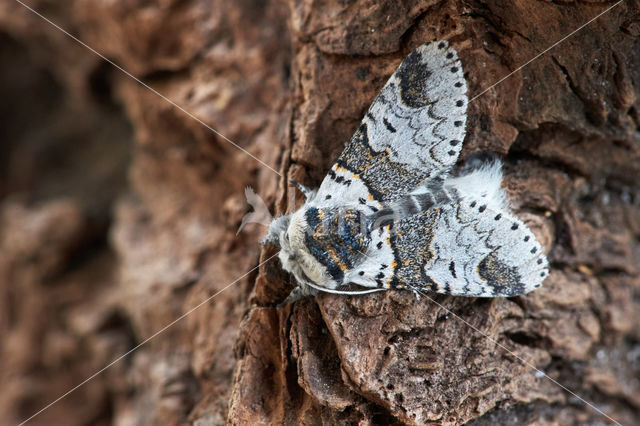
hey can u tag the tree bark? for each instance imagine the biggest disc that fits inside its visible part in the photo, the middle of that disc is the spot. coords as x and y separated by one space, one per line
119 212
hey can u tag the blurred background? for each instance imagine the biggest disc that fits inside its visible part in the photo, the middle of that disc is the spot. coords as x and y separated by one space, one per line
65 150
108 230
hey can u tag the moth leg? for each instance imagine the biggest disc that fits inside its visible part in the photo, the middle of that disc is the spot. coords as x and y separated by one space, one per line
416 293
308 192
298 293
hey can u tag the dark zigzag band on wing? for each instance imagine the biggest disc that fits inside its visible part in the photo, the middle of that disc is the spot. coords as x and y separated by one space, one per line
411 240
412 131
396 254
385 178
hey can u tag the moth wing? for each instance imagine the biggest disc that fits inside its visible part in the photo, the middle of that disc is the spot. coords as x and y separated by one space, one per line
484 253
472 246
412 131
479 247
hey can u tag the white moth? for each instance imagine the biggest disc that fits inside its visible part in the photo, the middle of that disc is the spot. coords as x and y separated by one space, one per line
392 214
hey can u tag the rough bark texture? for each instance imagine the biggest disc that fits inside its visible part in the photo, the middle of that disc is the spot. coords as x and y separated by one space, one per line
118 214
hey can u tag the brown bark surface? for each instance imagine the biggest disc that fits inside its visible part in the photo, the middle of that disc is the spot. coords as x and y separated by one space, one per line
119 212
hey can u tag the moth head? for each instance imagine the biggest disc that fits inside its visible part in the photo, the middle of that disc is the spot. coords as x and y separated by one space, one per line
276 229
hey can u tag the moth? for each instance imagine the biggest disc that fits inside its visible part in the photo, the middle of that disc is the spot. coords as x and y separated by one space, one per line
392 213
